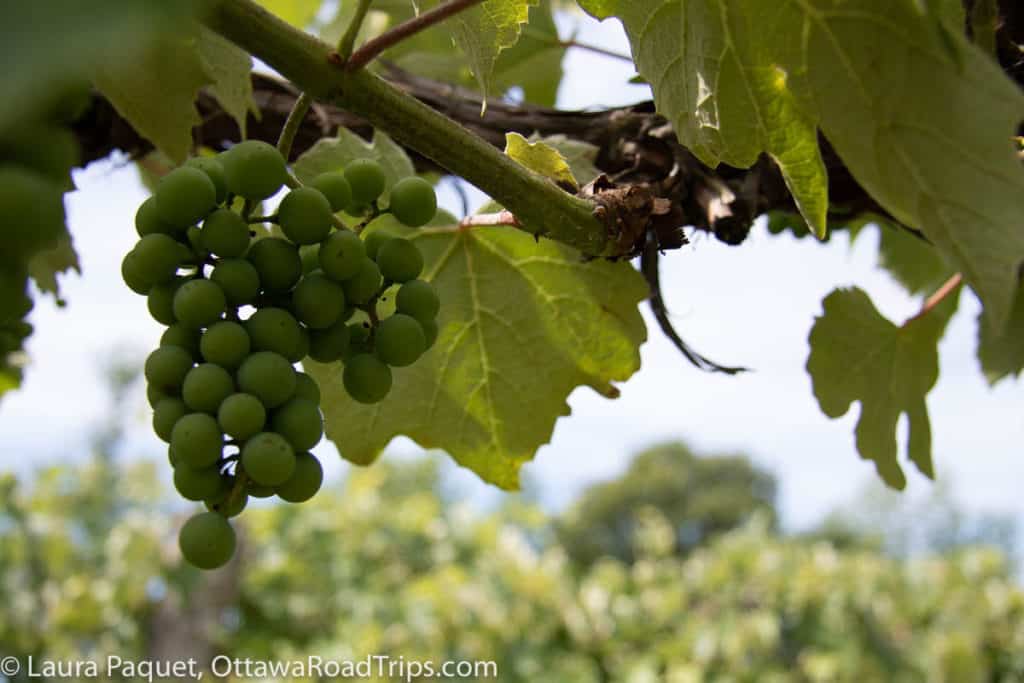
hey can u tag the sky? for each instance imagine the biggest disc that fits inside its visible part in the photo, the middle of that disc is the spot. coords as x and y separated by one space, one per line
751 305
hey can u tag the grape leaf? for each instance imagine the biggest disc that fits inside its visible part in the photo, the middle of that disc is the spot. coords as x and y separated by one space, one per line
45 265
522 324
298 13
541 159
858 355
1002 355
581 156
482 32
714 74
331 154
534 63
48 47
156 92
922 118
228 67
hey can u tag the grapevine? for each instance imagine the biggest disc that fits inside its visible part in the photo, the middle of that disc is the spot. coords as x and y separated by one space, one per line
243 306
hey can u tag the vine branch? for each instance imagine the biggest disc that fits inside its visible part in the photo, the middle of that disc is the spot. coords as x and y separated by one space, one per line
372 48
541 207
941 294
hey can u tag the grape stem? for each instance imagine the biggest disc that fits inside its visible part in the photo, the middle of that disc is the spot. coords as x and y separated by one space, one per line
293 123
541 207
272 218
489 219
368 52
941 294
348 40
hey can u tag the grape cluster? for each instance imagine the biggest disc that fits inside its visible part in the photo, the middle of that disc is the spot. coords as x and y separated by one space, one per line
35 163
240 311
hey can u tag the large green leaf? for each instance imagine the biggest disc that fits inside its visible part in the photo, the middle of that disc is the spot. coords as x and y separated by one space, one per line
49 46
1002 354
485 30
522 324
44 266
921 117
156 92
714 74
858 355
228 67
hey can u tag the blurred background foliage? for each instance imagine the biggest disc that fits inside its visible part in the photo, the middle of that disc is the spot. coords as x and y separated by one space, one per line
675 571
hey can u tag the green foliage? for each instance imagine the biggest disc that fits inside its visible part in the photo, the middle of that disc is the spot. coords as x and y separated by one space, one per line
1002 354
573 324
857 355
88 569
482 32
541 158
699 498
798 67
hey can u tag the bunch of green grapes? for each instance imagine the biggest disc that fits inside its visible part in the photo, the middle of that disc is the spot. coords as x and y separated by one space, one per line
35 164
240 312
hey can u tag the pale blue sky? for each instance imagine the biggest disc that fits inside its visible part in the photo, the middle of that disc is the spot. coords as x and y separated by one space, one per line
751 305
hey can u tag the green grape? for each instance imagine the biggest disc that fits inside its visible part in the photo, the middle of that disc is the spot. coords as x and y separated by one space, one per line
366 378
305 216
148 221
165 414
160 301
31 211
197 441
399 260
359 210
167 366
413 201
225 234
299 422
335 187
269 377
379 231
239 280
307 388
305 480
277 330
230 505
183 336
225 343
399 340
259 490
303 349
330 344
241 416
254 170
199 303
184 196
367 180
268 459
309 254
214 171
205 388
134 275
364 285
155 394
429 332
278 263
318 301
418 299
159 256
358 340
201 484
194 238
341 255
207 541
